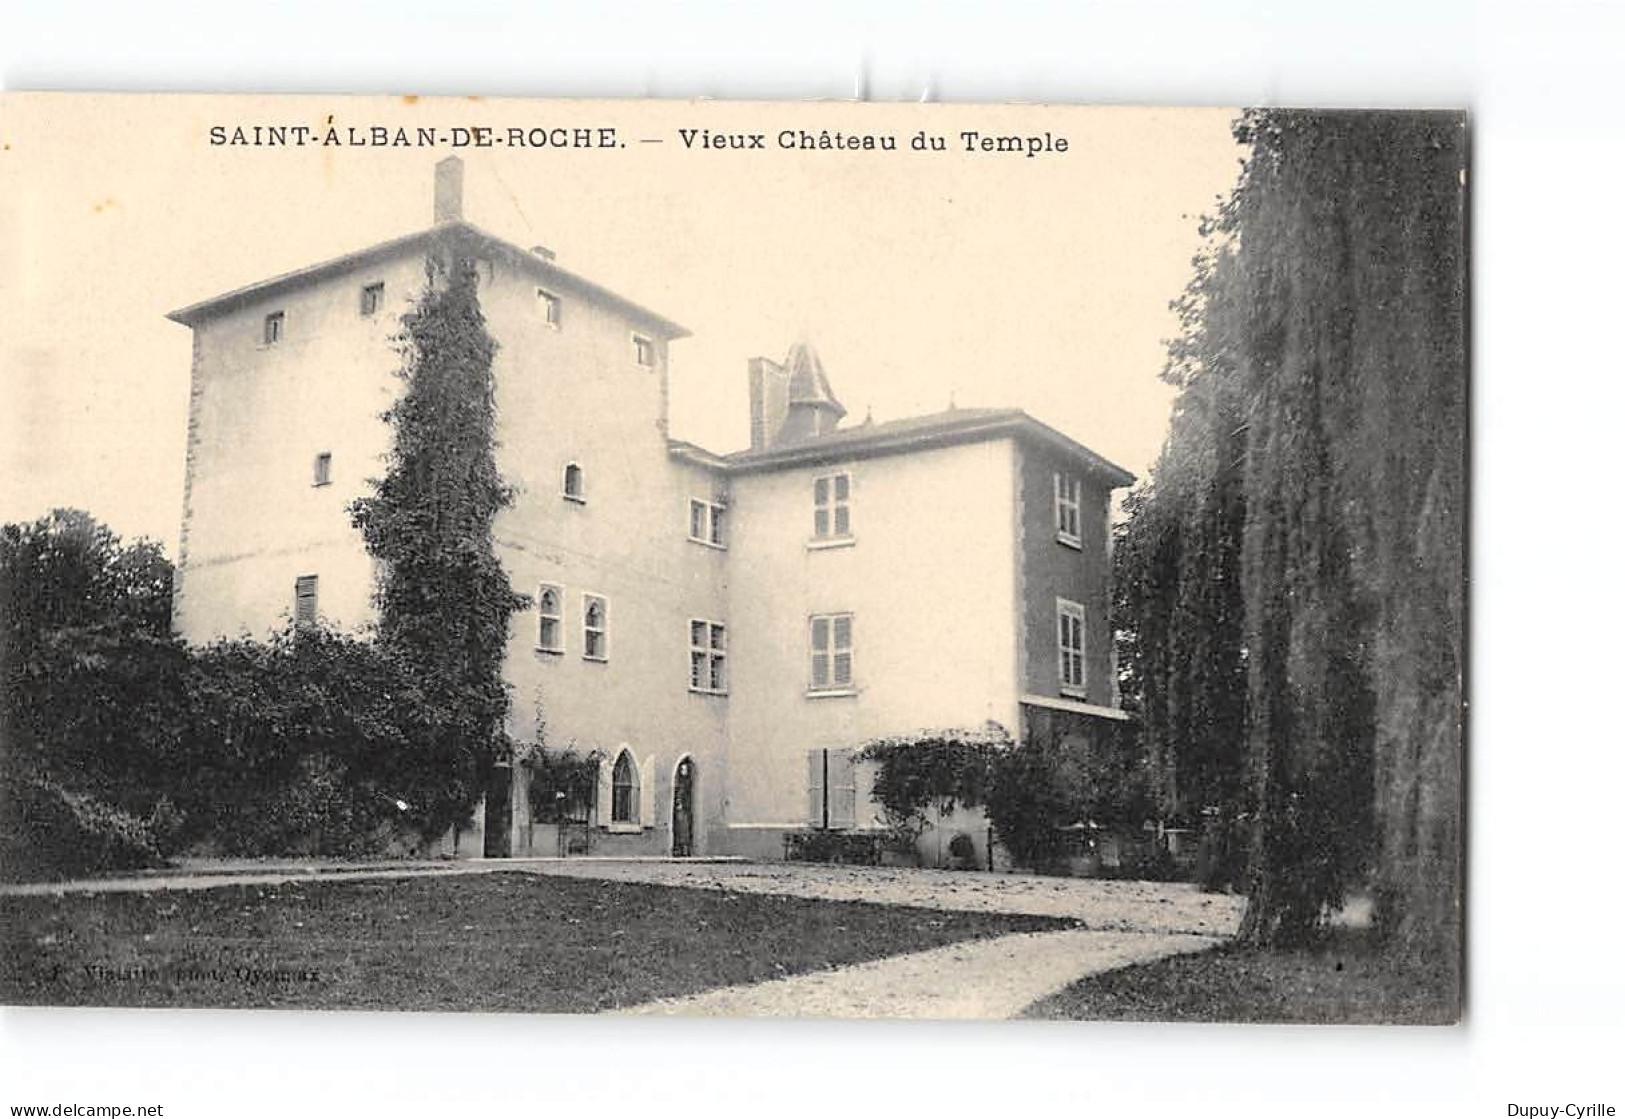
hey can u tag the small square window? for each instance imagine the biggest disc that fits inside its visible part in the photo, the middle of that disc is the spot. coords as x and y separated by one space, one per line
322 469
706 523
372 298
273 327
643 351
550 307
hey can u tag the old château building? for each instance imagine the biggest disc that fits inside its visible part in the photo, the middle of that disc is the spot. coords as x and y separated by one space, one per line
723 630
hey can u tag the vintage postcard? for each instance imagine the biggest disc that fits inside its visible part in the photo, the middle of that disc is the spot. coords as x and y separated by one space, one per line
765 559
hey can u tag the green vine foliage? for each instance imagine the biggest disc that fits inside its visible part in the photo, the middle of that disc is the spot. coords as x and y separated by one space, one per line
931 769
444 600
1303 529
563 783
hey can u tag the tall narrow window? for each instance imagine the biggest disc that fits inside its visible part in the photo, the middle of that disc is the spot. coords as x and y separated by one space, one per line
322 469
548 304
549 618
831 652
832 514
705 523
304 600
372 298
624 790
1068 509
273 327
594 627
575 483
643 351
707 657
1069 646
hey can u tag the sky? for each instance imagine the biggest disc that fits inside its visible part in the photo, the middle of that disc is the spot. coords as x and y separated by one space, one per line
969 278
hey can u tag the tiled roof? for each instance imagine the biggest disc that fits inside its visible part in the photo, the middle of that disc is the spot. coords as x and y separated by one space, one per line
808 383
956 425
544 269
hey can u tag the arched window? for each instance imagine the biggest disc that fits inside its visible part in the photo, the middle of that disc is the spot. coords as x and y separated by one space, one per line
623 804
550 619
575 486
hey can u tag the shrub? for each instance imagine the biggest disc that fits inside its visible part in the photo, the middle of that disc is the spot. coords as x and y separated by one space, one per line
49 832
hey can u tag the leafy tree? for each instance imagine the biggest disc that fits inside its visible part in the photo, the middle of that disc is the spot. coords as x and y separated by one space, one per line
444 600
1326 324
90 681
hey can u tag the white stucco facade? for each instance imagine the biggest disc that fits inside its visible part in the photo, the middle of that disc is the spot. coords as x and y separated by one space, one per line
941 562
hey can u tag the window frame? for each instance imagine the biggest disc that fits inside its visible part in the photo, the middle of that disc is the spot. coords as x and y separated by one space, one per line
556 617
830 510
642 343
709 653
633 790
579 494
311 583
321 469
832 685
372 299
1067 610
552 308
588 631
1069 501
274 328
714 523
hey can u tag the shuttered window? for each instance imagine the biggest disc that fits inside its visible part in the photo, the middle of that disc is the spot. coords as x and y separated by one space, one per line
304 600
274 323
832 510
831 652
372 298
832 788
1069 618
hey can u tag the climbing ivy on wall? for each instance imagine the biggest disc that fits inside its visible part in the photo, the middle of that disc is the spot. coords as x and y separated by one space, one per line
444 601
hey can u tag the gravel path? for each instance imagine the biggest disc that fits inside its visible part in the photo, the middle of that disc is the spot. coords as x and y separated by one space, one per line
1146 907
981 979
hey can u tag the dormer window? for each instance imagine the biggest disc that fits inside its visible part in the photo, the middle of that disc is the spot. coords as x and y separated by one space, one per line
575 485
372 298
643 351
274 323
549 306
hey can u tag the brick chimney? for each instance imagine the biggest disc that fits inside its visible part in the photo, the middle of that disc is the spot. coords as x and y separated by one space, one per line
769 401
448 190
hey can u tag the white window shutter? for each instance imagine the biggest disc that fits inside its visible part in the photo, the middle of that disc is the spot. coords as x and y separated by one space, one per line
843 790
606 790
646 792
815 788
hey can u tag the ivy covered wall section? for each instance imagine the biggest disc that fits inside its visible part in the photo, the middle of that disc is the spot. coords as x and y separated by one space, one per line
444 601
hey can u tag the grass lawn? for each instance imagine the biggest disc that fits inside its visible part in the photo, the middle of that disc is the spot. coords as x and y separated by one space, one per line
1343 981
502 941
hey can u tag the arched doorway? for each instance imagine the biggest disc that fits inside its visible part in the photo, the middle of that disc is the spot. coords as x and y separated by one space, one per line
682 809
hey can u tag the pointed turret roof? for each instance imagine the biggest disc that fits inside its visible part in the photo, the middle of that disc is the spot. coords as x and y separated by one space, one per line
808 383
